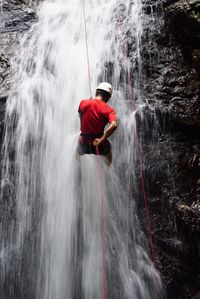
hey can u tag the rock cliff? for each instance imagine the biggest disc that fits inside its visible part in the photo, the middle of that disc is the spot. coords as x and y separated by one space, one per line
171 143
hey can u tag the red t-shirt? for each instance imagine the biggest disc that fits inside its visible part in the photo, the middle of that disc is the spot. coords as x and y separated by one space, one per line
95 114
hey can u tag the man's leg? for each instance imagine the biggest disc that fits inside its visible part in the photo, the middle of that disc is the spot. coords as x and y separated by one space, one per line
109 157
107 152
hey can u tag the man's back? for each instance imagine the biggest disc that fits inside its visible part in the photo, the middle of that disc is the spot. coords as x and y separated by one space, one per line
95 114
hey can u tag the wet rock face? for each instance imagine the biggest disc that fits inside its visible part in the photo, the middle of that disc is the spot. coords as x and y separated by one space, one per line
191 215
175 72
16 19
171 143
183 19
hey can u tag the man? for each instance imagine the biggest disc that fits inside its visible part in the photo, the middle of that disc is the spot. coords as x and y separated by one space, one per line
95 114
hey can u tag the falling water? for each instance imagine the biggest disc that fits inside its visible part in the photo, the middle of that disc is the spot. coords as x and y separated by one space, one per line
52 245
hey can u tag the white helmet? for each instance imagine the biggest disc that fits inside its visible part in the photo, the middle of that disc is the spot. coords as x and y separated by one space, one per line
105 87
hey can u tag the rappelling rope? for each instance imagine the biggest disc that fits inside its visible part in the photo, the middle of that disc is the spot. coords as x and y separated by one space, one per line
103 235
87 48
142 180
139 155
141 168
145 197
102 187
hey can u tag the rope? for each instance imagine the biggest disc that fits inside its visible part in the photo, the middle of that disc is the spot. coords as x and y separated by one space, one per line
145 197
103 235
102 199
138 142
142 180
141 169
87 49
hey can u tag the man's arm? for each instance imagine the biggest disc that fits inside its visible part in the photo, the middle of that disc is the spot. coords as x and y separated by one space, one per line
108 132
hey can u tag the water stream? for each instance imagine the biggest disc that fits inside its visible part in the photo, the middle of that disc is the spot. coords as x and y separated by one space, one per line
52 244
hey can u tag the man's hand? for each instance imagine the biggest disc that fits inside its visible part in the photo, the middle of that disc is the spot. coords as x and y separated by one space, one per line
112 127
98 141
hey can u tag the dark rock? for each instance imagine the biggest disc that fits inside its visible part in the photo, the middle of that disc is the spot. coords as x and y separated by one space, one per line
185 17
16 19
171 145
190 215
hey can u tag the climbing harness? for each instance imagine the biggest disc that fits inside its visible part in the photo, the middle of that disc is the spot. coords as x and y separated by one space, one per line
92 136
86 147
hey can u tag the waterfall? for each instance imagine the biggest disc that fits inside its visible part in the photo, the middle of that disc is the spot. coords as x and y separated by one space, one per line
51 229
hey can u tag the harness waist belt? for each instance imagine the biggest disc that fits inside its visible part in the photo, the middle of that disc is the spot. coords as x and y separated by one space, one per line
92 136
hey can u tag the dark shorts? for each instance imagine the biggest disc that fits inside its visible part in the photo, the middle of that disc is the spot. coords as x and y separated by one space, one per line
88 148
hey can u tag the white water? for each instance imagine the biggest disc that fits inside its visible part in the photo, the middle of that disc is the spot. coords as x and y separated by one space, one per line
53 244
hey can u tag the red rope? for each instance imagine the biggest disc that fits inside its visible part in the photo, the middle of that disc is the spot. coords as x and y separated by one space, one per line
142 180
87 51
145 197
103 235
141 169
149 226
102 199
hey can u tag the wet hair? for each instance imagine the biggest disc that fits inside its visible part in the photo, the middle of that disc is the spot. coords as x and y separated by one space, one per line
104 94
